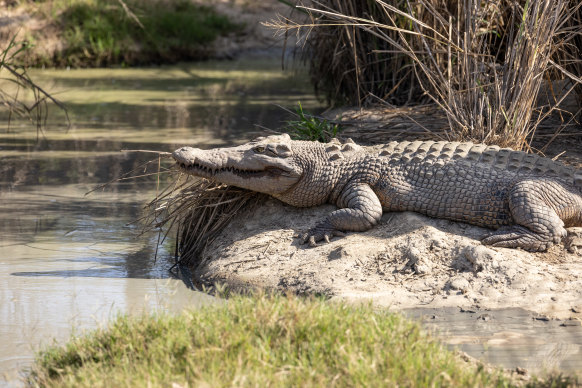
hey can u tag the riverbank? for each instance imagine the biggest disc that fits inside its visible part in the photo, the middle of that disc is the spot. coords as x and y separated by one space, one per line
268 340
409 261
115 33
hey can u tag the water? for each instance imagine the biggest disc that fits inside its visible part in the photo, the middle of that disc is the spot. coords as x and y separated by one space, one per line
68 261
510 337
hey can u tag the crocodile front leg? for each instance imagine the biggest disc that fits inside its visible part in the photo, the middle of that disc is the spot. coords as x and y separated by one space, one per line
360 210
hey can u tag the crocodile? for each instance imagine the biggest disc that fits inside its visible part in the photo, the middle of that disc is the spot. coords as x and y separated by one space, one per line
529 200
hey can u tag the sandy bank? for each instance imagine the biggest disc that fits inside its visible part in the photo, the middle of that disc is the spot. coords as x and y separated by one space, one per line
409 260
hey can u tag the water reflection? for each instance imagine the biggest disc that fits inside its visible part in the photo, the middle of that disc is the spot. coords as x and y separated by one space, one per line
111 267
510 337
69 261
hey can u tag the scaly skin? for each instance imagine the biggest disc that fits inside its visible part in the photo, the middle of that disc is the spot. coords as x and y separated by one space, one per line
530 200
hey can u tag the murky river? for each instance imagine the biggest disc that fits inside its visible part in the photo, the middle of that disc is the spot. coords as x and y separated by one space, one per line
69 261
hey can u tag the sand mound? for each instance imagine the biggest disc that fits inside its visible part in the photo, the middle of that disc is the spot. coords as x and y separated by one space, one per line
409 260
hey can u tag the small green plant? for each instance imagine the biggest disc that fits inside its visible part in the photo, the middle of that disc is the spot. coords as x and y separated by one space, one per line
309 127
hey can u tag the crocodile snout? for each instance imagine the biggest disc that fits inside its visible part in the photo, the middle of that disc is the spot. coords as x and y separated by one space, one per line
185 155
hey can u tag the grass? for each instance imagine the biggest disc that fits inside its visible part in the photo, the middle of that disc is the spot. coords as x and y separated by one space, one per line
309 127
262 340
107 32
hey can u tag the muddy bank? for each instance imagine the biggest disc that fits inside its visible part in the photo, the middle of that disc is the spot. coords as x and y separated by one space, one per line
55 35
407 261
513 338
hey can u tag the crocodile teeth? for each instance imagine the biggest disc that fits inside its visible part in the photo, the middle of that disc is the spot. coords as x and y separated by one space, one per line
212 171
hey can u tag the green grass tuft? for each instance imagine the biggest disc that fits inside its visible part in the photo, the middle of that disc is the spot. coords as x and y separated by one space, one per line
309 127
260 341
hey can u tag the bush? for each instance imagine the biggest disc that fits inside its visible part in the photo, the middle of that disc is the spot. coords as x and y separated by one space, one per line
482 63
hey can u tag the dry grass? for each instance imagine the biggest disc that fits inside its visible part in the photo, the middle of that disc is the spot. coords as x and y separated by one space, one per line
569 55
347 64
482 62
383 124
198 209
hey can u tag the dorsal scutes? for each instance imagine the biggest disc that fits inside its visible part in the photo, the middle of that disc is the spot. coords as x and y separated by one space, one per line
337 149
443 152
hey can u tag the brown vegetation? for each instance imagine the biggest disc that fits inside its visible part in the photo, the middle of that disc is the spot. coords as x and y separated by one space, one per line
200 209
482 62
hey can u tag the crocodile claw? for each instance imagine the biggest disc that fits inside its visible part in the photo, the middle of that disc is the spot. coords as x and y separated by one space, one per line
320 233
312 242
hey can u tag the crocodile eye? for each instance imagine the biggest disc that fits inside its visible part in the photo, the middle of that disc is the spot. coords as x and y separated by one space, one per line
260 149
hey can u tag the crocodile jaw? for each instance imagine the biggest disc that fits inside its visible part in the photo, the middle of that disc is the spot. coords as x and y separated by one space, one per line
238 166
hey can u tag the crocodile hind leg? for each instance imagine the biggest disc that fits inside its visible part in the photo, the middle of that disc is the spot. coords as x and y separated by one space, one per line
518 236
360 210
537 225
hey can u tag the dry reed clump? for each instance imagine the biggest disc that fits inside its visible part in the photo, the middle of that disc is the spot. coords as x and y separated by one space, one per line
570 55
198 209
482 62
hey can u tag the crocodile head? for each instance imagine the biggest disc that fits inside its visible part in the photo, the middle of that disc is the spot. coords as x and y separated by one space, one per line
265 164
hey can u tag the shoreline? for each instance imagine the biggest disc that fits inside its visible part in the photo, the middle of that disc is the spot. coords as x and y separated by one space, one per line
30 22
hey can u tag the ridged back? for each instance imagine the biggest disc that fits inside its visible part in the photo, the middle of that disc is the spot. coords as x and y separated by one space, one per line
443 152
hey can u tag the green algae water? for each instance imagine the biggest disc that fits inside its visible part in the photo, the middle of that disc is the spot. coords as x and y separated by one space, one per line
70 261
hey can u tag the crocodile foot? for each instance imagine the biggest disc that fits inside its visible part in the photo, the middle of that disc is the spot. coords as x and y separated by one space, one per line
320 232
517 236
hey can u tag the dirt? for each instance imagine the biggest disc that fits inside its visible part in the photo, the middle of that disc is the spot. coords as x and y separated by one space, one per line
407 261
255 36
